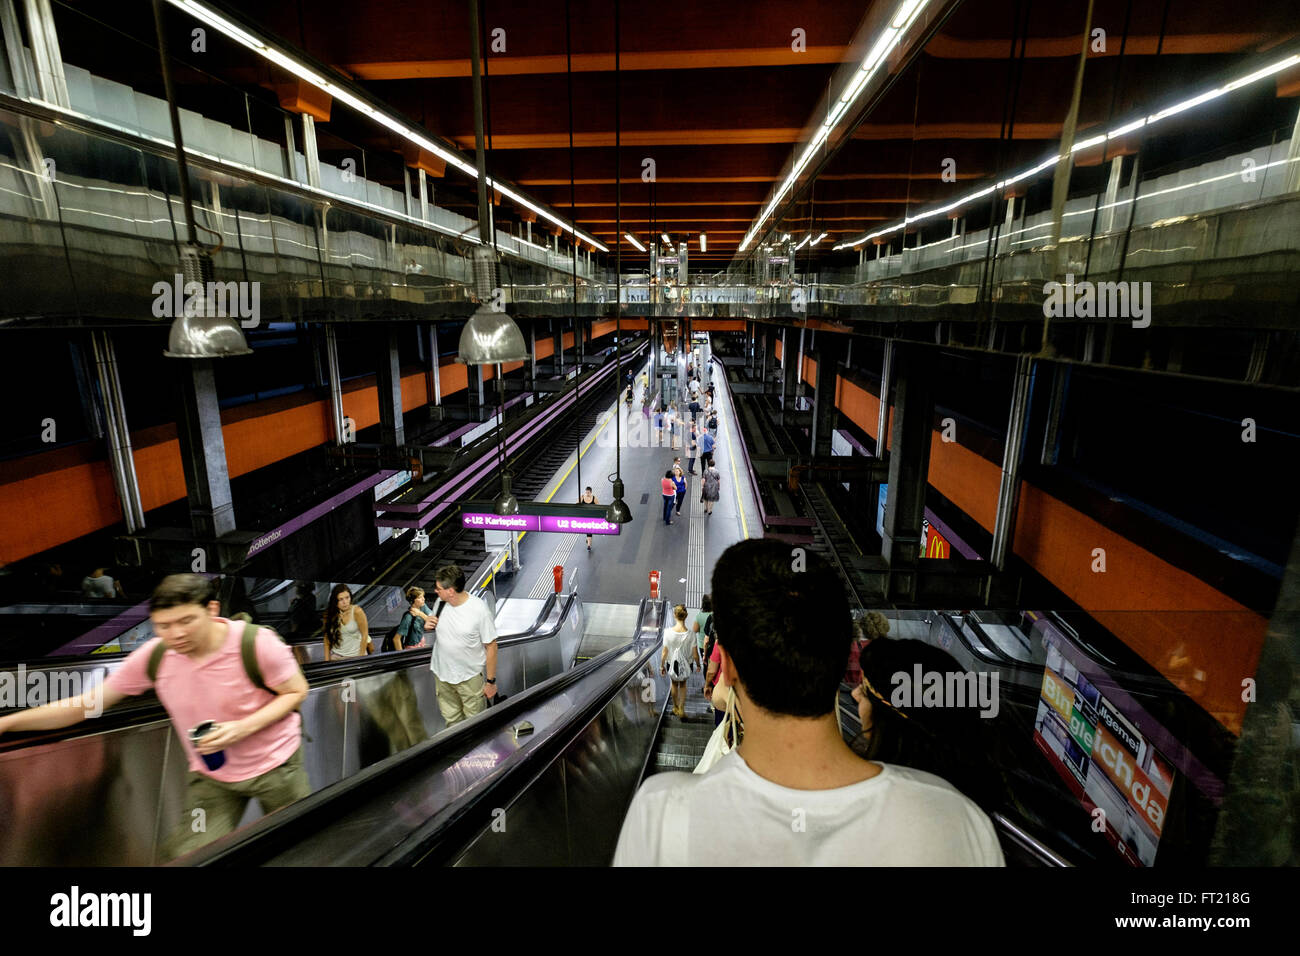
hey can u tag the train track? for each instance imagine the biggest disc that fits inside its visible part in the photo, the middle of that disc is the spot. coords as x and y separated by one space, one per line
532 469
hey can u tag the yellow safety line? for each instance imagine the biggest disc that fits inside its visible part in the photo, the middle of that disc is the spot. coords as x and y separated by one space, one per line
564 478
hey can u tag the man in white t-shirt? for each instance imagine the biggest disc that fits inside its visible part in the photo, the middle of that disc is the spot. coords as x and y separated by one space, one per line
464 658
793 793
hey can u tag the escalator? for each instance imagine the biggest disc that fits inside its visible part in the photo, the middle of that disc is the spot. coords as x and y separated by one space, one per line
489 792
122 779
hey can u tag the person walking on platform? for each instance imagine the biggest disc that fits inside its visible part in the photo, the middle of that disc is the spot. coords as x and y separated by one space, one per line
672 425
237 682
707 444
659 424
692 448
464 659
678 659
679 482
588 498
710 487
669 495
347 634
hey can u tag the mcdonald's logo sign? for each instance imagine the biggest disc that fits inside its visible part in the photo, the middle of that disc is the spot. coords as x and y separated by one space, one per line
936 545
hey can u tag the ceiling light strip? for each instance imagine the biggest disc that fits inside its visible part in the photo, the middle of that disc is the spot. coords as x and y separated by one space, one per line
219 23
1150 120
902 19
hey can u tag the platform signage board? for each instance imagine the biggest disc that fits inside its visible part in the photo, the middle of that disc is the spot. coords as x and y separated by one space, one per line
551 524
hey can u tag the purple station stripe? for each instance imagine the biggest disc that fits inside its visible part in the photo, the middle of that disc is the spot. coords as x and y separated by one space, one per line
110 630
1156 734
449 492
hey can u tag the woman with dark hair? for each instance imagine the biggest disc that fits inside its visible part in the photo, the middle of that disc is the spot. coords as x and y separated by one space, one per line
346 632
947 741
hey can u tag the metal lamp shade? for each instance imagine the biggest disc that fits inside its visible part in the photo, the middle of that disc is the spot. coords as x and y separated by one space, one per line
618 512
506 503
205 337
491 337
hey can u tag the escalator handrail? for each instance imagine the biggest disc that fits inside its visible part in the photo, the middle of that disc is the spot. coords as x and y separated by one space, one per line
144 709
269 835
445 835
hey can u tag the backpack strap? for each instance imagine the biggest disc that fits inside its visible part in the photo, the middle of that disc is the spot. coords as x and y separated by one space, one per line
155 660
248 652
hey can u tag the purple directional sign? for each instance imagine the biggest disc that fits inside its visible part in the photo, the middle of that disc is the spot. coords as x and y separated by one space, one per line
487 521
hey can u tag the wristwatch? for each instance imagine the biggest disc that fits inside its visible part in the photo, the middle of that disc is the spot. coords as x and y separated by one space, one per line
490 680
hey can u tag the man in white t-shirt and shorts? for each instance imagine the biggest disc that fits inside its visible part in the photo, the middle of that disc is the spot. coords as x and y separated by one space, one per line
793 793
464 658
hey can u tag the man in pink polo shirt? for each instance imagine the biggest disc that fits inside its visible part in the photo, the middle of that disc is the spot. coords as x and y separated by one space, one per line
201 677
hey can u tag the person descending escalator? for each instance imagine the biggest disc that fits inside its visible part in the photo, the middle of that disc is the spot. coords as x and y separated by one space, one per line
679 658
947 741
232 692
347 632
783 636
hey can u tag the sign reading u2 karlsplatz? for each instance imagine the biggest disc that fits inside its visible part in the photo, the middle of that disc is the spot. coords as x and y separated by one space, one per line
559 524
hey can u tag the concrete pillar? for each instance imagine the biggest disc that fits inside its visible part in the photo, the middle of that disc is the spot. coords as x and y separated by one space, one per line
115 429
557 354
1107 222
798 366
1260 788
388 380
335 385
532 351
46 55
1293 155
309 152
824 413
909 466
435 361
765 344
424 196
203 451
790 378
1004 524
882 420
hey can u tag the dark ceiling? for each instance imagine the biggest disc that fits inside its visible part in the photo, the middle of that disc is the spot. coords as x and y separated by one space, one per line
714 93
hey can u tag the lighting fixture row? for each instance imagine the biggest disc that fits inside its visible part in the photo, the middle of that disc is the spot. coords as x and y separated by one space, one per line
206 15
640 248
1089 143
903 18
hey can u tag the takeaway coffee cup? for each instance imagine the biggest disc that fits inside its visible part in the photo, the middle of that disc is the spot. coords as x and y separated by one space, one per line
214 760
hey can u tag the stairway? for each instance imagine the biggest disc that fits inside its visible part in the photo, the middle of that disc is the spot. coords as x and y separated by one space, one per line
681 741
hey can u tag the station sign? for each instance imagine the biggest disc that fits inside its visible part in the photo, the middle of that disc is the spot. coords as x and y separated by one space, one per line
549 519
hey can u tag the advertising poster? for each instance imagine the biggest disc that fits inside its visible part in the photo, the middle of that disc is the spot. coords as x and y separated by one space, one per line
933 544
1104 759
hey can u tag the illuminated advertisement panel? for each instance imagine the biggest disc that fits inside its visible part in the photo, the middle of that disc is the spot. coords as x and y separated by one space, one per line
1104 759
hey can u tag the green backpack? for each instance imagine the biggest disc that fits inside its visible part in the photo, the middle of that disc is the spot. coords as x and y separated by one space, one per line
247 653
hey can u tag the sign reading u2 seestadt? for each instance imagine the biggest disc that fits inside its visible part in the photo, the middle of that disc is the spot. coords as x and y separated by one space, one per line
561 524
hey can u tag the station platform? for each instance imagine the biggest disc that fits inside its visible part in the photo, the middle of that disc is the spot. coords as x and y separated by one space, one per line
617 567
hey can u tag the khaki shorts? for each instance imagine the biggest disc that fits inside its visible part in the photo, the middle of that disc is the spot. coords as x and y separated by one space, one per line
458 702
223 804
